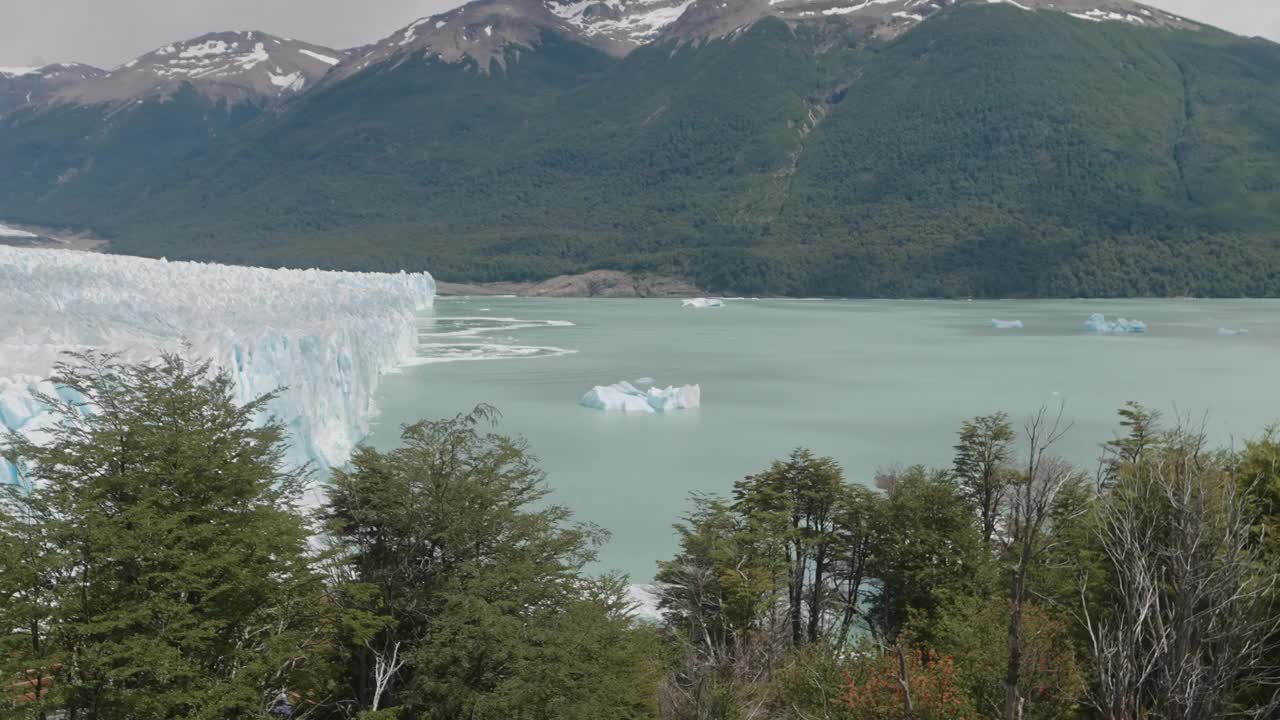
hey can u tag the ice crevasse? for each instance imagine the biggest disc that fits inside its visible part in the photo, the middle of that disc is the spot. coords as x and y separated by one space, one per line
322 338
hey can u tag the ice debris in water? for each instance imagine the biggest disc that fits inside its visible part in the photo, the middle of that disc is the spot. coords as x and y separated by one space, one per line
325 337
1006 324
644 600
1232 331
644 381
1099 323
626 397
702 303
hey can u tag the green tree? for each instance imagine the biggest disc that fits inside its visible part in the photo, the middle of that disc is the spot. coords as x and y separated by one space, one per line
160 563
1052 679
927 550
981 466
798 502
480 585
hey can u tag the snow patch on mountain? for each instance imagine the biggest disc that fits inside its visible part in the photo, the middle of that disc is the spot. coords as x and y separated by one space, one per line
624 21
231 66
324 337
327 60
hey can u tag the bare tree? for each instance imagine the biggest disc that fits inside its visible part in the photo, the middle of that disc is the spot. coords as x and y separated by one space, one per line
1031 502
387 661
904 682
1194 618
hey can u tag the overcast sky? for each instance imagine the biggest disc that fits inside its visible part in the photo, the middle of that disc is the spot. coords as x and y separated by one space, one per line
107 33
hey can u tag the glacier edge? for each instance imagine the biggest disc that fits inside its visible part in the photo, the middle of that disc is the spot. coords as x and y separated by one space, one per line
324 337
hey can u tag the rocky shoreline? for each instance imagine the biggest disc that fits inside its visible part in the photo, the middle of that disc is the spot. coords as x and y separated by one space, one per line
596 284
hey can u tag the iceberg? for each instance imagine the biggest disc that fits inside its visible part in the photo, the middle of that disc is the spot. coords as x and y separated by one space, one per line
627 398
1232 331
322 338
1099 323
702 303
1006 324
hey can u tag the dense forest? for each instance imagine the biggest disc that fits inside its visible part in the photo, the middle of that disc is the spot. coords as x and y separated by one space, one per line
158 563
988 152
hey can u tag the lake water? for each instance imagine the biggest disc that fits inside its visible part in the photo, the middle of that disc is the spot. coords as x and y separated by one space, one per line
872 383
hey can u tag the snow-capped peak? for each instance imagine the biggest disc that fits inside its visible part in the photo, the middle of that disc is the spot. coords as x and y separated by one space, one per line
886 18
21 86
625 22
233 66
482 32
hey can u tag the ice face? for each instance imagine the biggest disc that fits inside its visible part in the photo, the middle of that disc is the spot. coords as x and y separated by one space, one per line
1006 324
324 337
702 303
625 397
1099 323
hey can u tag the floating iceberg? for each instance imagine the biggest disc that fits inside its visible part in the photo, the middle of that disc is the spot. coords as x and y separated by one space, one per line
1232 331
625 397
702 303
1099 323
1006 324
322 337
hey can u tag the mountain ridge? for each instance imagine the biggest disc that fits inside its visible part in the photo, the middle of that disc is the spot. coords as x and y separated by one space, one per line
986 150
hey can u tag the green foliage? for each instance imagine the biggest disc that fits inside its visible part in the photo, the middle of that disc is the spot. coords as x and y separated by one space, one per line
987 152
982 456
930 550
1052 679
159 560
480 585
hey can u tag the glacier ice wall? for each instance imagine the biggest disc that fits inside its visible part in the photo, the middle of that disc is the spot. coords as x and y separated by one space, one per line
324 337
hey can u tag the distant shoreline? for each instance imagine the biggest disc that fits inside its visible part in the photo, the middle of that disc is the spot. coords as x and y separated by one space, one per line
597 283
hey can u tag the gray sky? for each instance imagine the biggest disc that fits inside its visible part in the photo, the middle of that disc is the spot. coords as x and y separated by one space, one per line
107 33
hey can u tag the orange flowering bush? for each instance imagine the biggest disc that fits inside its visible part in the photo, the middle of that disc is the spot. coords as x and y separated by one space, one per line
875 690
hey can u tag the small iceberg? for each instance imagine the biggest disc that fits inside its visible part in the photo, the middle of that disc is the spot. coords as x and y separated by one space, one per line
625 397
1099 323
1232 331
644 381
702 303
1006 324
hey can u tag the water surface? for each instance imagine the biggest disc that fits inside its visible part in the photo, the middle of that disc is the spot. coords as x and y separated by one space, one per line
872 383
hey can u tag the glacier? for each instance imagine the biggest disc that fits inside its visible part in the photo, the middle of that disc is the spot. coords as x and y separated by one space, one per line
625 397
1099 323
322 338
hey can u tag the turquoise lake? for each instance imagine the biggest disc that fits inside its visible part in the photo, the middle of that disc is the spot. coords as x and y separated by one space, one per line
874 384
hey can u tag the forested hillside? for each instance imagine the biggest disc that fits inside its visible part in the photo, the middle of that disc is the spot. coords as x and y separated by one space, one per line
989 151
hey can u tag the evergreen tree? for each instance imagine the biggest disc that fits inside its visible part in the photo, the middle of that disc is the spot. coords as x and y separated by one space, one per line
155 561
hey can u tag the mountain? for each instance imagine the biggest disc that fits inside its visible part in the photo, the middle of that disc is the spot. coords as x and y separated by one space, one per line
881 148
235 67
20 86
